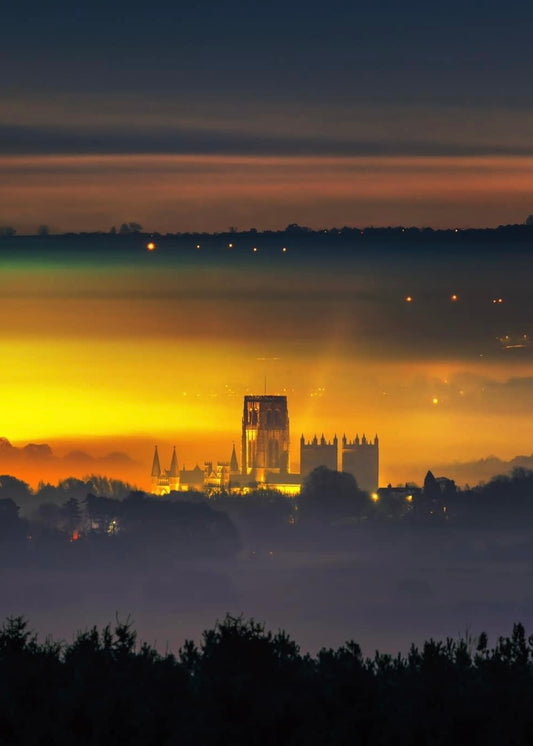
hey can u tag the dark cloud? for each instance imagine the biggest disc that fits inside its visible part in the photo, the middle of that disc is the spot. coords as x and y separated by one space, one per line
27 139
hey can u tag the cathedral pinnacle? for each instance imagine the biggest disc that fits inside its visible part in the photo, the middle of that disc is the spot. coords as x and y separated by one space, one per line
156 467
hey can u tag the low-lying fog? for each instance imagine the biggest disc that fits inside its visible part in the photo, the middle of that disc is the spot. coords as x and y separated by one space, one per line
394 585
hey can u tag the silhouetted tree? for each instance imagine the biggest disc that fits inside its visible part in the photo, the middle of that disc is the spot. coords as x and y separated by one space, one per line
130 228
329 495
15 489
12 528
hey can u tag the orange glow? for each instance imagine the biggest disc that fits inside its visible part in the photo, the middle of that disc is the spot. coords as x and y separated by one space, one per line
454 298
408 299
129 359
264 191
150 246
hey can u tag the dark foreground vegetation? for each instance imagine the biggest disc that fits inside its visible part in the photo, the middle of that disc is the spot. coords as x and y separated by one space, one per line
244 685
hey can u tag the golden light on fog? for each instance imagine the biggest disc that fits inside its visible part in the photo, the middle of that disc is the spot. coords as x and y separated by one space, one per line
79 368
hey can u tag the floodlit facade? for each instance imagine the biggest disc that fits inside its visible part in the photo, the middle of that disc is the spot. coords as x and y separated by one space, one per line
265 437
265 456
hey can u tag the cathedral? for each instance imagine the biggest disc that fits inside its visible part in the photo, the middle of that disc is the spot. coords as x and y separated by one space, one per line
359 457
265 456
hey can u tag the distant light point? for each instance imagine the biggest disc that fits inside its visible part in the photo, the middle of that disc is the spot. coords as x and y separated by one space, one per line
284 249
151 246
230 246
255 249
435 400
198 246
497 300
454 298
408 299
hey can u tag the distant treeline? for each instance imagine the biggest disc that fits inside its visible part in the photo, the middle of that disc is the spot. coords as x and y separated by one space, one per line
97 521
244 686
295 235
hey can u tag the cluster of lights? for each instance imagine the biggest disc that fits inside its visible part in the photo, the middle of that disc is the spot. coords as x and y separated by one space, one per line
453 298
151 246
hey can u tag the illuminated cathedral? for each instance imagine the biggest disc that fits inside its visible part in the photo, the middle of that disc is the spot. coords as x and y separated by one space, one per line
265 449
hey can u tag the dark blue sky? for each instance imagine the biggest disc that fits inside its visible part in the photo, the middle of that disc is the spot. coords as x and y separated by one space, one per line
301 51
281 79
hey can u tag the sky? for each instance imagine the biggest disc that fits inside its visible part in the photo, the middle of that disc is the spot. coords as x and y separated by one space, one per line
203 115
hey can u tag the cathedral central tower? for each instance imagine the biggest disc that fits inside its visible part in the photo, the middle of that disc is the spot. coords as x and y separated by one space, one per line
265 436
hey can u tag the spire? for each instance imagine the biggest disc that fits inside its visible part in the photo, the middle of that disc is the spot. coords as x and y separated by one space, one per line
233 464
174 464
156 467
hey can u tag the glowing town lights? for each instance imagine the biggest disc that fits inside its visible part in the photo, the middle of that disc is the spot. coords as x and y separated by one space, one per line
409 498
150 246
435 400
454 298
408 299
497 300
255 249
198 246
375 497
